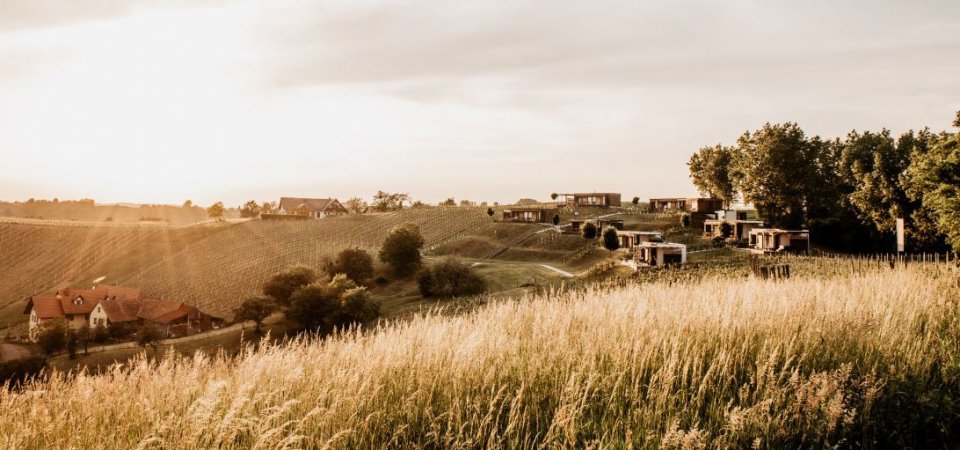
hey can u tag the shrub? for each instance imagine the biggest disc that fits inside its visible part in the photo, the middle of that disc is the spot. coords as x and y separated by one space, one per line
282 285
256 310
589 230
401 249
53 338
322 307
490 212
100 334
148 335
685 220
355 263
611 241
726 230
718 242
450 278
556 219
16 372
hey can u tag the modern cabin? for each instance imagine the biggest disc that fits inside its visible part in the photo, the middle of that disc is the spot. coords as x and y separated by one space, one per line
690 205
656 254
631 239
739 229
773 240
529 214
601 199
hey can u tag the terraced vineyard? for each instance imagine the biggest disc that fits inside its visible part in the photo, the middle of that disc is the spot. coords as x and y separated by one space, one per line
218 272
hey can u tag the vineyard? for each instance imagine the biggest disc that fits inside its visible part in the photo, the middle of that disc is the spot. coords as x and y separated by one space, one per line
217 273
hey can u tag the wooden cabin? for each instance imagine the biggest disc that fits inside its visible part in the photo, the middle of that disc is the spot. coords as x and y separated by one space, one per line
655 254
689 205
530 214
772 240
602 199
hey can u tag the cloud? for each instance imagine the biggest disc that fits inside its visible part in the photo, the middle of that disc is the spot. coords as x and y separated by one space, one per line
25 14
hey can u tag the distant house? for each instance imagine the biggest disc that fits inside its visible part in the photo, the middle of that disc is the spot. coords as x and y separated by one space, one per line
72 306
740 229
172 317
110 305
689 205
631 239
529 214
654 254
767 240
316 208
602 199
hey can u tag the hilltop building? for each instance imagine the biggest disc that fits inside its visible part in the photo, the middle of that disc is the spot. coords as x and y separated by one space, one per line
689 205
601 199
654 254
772 240
530 214
316 208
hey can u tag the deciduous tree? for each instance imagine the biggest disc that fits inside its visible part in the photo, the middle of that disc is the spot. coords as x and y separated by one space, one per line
256 310
611 241
282 285
401 249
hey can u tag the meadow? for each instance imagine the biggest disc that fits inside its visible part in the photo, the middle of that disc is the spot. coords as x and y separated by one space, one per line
860 359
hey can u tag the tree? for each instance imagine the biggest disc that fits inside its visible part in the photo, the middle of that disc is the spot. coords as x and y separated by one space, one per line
710 171
355 263
356 204
322 307
386 201
450 278
401 249
250 209
188 204
589 230
726 230
556 219
490 212
256 310
685 220
215 211
934 178
873 163
611 241
268 207
554 196
467 203
282 285
448 202
635 201
772 171
53 338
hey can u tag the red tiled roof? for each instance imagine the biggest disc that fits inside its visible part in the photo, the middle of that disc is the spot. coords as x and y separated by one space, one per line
309 204
47 306
176 314
121 309
79 303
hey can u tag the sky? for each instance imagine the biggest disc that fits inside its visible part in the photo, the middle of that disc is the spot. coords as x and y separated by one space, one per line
159 101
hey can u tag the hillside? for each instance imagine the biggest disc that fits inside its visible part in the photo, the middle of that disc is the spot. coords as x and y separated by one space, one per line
853 361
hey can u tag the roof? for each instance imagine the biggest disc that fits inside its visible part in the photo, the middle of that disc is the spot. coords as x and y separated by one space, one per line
46 306
684 198
309 204
593 193
776 231
157 310
175 314
121 310
662 244
733 221
639 233
530 209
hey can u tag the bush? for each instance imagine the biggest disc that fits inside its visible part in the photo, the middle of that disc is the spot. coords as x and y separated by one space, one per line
100 334
556 219
282 285
718 242
611 241
589 230
149 335
726 230
401 249
16 372
322 307
355 263
685 220
450 278
53 338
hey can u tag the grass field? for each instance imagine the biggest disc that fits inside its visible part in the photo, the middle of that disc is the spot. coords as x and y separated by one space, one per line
869 359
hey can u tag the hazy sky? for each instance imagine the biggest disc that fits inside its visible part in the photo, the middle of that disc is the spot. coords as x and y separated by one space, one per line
161 101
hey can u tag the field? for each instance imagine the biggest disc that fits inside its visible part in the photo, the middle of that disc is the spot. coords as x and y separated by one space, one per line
865 359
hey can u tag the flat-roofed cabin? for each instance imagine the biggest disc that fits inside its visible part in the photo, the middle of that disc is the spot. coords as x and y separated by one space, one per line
631 239
740 229
655 254
529 214
602 199
766 240
690 204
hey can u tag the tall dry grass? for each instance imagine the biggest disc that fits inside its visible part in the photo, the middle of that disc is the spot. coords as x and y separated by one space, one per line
866 361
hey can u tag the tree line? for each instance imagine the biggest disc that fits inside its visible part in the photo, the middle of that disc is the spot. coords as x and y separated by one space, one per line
848 192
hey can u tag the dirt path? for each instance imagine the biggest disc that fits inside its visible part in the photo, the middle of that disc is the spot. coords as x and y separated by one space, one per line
562 273
10 352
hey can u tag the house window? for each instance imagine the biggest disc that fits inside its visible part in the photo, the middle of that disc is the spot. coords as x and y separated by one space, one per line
78 301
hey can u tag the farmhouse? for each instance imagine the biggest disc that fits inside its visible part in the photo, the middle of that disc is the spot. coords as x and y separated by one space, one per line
603 199
766 240
316 208
631 239
529 214
107 305
739 229
172 317
691 205
655 254
72 306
